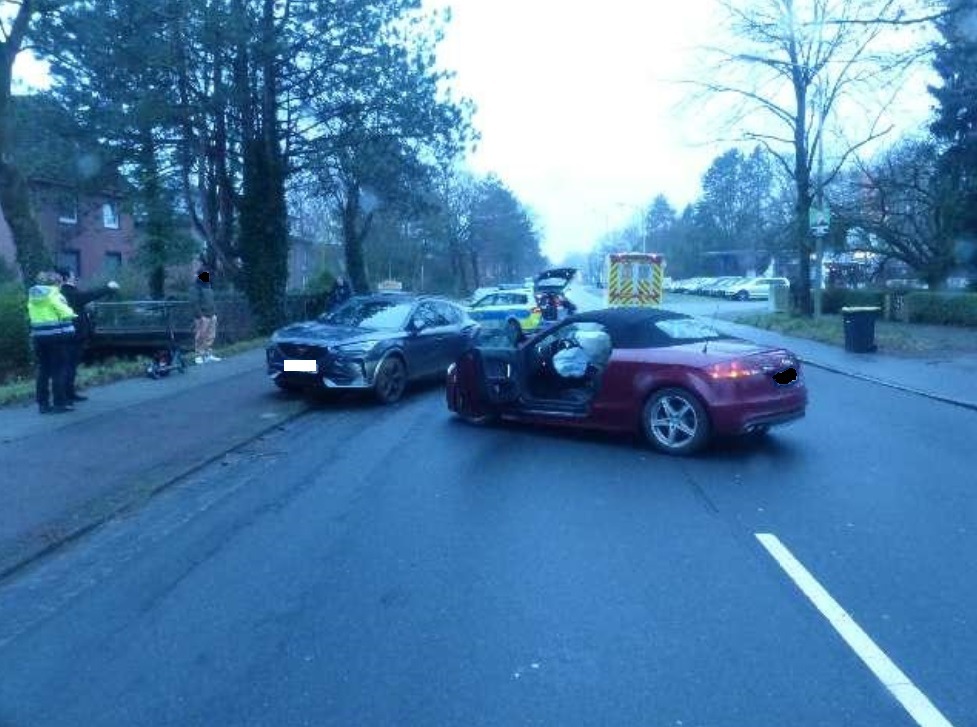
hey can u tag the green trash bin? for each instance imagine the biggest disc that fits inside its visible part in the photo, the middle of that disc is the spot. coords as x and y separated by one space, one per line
860 328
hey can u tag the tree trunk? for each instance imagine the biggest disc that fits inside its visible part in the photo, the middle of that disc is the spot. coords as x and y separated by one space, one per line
353 243
33 255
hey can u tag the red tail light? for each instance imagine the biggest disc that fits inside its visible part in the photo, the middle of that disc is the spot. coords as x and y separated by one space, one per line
733 370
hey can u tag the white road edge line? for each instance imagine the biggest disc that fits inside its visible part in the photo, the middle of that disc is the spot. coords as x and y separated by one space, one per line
916 703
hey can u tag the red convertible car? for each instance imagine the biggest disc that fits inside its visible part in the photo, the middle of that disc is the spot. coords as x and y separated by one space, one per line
667 375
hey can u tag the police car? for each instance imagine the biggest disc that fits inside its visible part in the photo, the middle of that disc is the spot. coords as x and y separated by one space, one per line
513 312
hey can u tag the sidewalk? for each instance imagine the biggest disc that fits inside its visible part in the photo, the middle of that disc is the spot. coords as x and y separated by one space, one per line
62 475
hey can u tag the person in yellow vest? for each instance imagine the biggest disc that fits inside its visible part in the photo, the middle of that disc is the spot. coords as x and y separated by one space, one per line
52 331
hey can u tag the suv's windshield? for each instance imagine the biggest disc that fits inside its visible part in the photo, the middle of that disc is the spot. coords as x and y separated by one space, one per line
377 314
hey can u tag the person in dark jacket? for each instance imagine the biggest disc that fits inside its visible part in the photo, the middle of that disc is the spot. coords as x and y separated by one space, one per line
78 299
340 293
204 318
52 331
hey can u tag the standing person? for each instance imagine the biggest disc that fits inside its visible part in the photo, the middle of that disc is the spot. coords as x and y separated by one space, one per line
340 291
205 319
78 299
52 332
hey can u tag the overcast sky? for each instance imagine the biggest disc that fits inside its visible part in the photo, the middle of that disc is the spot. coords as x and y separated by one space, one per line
578 105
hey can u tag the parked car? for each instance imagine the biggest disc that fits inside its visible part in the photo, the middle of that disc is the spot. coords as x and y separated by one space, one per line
755 289
668 375
514 312
700 285
723 289
687 285
380 342
713 288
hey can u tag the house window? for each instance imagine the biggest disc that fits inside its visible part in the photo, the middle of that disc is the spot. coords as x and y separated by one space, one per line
112 262
110 215
70 259
68 209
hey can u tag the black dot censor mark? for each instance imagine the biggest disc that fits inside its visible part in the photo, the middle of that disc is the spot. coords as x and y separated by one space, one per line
785 377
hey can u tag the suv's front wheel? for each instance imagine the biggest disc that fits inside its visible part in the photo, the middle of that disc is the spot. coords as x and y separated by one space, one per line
390 380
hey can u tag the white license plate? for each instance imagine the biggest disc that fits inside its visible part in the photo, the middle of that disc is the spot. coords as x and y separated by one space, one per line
303 365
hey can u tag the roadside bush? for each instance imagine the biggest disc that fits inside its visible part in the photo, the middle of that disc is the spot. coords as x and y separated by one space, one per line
15 350
955 309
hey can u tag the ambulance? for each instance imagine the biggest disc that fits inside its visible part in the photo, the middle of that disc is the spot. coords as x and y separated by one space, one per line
634 279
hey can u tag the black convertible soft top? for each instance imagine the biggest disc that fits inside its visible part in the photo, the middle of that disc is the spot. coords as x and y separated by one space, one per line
633 327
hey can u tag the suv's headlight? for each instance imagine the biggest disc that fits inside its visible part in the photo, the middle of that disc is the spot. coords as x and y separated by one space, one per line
358 348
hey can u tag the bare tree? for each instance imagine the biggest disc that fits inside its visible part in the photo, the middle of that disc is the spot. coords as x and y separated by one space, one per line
902 207
798 71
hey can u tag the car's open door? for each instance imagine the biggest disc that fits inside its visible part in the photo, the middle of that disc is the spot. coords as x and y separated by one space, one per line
497 370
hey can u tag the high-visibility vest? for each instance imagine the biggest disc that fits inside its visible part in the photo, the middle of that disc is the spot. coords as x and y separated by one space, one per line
49 312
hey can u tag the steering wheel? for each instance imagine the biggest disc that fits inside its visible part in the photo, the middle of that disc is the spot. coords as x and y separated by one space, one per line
546 351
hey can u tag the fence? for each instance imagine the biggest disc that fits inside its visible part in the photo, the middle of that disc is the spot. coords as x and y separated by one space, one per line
143 324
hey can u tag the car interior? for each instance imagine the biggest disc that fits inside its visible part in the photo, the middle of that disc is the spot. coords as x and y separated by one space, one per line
568 365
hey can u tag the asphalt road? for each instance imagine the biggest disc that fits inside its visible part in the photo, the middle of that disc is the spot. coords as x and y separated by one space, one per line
363 565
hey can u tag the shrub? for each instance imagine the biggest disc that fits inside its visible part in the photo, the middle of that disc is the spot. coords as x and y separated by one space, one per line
15 349
956 309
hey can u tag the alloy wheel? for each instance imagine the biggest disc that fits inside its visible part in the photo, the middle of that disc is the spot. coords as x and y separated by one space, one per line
391 380
675 422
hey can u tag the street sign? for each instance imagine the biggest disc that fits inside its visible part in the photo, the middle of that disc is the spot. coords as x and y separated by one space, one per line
819 220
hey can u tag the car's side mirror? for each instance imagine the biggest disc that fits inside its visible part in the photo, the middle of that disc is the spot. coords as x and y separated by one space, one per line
417 325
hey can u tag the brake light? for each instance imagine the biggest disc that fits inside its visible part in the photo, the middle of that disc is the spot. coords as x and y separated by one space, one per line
732 370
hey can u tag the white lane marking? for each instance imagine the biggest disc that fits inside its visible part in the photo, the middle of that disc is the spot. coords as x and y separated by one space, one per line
916 703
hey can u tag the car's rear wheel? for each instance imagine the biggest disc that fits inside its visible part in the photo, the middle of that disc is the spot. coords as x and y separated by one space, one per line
742 295
390 380
675 422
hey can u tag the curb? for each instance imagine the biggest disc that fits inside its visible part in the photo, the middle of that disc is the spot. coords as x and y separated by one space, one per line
892 385
78 532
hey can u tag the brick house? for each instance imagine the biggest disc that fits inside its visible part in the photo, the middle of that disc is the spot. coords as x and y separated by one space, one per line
78 200
90 233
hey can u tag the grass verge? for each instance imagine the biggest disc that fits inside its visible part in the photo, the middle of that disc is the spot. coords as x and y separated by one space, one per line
890 336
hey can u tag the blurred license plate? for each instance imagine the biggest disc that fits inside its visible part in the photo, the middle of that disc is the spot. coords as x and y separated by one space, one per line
304 365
